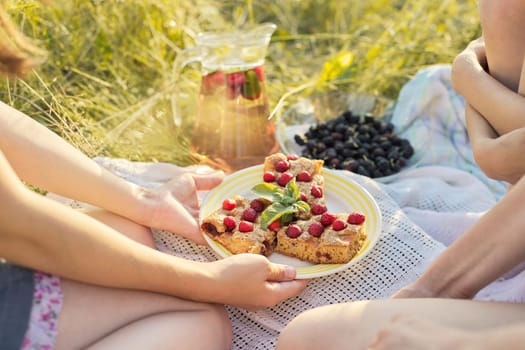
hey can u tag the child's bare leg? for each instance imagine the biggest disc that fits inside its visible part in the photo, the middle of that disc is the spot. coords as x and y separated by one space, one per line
354 325
503 23
95 317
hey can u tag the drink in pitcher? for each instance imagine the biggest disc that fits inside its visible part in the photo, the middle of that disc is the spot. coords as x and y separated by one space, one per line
231 127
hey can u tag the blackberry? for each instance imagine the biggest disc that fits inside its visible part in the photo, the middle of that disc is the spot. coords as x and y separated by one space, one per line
363 137
340 128
339 146
299 140
408 151
350 165
336 136
377 173
362 152
363 129
328 141
347 153
369 118
386 145
310 144
401 162
378 125
362 171
331 153
378 152
320 147
334 163
393 154
349 117
382 163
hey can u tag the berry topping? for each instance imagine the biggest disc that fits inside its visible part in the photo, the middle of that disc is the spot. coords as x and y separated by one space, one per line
274 226
315 229
257 205
251 89
229 222
210 228
260 72
303 197
268 177
293 231
327 219
304 176
212 81
229 204
284 179
281 166
338 225
356 218
245 226
292 157
316 191
235 79
318 209
249 214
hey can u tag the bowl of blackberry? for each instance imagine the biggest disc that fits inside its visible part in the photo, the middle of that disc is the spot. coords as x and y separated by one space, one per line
348 131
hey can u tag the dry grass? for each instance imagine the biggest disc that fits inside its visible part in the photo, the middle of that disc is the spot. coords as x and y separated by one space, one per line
108 83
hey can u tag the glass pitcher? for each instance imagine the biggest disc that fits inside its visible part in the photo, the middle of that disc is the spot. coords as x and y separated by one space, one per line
231 126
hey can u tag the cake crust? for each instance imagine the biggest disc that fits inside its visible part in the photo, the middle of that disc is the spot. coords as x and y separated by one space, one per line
257 241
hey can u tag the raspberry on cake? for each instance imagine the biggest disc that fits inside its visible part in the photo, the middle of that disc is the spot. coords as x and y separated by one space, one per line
236 225
331 240
280 169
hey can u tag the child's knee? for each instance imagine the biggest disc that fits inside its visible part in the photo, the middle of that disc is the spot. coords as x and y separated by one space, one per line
217 327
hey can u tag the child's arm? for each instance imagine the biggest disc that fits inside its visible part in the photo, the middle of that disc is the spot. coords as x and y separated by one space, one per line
42 158
500 157
491 247
44 235
501 107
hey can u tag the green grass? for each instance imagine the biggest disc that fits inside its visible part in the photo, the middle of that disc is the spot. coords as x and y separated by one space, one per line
108 83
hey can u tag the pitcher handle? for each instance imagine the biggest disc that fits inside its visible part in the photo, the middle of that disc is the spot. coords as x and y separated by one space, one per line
185 57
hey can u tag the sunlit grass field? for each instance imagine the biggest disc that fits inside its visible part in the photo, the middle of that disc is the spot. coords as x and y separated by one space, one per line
108 84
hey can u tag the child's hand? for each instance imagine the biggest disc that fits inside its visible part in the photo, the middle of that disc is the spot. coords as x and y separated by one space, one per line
251 281
174 206
472 60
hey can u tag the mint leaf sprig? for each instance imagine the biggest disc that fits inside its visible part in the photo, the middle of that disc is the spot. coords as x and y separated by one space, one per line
286 202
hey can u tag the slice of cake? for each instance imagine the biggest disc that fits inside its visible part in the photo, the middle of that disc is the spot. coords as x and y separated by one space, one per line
326 239
280 169
236 225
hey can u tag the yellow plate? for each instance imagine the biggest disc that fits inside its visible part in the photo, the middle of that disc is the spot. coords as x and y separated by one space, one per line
342 194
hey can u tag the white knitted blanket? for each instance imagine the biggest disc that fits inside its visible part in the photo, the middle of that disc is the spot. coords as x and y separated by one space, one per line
423 210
